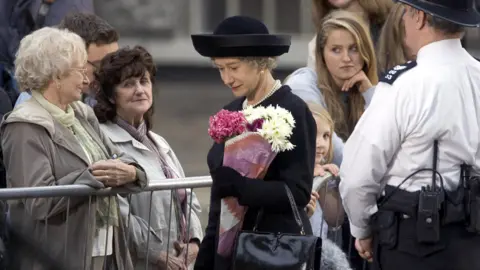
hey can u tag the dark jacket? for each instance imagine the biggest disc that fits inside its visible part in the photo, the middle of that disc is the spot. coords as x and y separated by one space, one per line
5 107
5 103
293 168
18 19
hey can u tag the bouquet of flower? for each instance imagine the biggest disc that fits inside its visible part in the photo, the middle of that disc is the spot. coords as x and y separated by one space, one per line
252 138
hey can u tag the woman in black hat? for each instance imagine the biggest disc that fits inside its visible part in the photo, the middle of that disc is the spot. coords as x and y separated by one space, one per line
244 52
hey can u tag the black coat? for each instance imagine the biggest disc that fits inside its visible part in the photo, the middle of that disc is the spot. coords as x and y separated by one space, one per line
5 107
294 168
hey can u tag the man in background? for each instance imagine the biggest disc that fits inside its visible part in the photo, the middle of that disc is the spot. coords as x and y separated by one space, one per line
100 39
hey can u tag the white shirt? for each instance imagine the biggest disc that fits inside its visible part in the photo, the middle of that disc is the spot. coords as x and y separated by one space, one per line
436 99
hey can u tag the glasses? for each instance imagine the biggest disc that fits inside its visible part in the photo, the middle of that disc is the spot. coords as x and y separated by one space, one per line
82 71
94 64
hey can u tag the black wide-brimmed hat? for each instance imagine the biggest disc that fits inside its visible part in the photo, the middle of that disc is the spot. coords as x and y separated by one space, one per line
241 36
462 12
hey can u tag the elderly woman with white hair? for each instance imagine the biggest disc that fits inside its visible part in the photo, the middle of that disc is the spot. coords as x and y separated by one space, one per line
52 140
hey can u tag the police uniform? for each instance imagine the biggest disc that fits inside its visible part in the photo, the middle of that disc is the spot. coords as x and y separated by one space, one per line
435 98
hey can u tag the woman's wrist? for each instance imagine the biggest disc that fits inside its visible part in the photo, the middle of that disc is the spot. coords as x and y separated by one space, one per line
195 241
365 86
133 172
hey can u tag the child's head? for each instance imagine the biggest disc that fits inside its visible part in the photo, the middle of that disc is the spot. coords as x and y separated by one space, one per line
324 149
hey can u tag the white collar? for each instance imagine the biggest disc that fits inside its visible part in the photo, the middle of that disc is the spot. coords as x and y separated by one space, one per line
440 50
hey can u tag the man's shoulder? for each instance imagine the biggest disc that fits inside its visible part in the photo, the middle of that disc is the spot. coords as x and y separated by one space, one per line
393 75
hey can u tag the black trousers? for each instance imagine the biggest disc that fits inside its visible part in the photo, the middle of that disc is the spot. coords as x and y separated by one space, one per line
457 250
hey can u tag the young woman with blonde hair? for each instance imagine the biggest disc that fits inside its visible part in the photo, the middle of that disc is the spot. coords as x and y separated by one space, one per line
344 77
346 71
374 13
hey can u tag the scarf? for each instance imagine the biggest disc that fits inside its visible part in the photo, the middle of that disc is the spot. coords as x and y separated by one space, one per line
107 208
179 196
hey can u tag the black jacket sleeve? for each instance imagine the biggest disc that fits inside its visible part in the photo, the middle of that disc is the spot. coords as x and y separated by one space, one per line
5 107
5 103
206 255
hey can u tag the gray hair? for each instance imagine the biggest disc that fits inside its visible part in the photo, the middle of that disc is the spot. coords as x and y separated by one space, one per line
46 54
268 63
439 24
444 26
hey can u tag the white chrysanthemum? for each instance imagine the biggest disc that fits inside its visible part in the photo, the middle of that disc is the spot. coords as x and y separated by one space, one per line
252 114
270 111
277 126
282 113
277 132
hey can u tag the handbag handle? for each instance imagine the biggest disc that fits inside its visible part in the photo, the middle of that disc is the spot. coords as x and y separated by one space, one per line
296 213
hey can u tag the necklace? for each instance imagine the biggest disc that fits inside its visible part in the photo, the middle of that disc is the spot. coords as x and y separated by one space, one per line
275 87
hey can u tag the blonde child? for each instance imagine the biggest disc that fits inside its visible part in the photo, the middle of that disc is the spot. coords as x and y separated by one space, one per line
325 208
330 212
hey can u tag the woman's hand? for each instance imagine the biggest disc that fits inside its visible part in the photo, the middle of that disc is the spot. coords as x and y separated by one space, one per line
359 79
312 205
320 170
113 172
174 263
193 249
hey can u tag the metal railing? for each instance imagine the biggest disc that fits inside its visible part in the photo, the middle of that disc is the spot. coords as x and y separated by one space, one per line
33 233
39 249
83 190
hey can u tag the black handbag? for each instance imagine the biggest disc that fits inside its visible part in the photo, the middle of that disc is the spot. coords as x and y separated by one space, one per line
277 251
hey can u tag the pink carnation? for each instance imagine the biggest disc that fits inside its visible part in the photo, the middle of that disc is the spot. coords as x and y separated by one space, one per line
226 124
255 125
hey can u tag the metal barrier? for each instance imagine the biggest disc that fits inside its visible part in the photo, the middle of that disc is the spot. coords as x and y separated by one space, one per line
58 225
335 227
33 238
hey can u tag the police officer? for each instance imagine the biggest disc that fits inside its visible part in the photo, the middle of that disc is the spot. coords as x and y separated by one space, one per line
401 168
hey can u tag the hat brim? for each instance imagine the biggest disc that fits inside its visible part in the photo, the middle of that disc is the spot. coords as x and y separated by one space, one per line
255 45
468 18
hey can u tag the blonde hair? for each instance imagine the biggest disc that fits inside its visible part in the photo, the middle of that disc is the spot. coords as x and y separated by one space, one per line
344 121
47 54
320 114
391 45
377 10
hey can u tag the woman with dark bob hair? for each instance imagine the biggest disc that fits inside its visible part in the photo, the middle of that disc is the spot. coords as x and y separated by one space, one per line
125 109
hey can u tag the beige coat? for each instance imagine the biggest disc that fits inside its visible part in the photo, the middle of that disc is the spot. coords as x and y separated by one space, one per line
38 151
159 231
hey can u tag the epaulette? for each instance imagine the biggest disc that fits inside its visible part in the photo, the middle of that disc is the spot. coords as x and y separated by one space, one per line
391 75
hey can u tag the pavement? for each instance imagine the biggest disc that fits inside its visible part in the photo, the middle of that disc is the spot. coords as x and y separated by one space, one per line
184 99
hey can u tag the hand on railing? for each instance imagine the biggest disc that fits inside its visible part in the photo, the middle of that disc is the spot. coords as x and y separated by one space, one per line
320 170
193 249
174 263
113 172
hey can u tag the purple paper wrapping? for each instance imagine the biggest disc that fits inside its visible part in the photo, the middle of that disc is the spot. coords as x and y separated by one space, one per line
250 155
